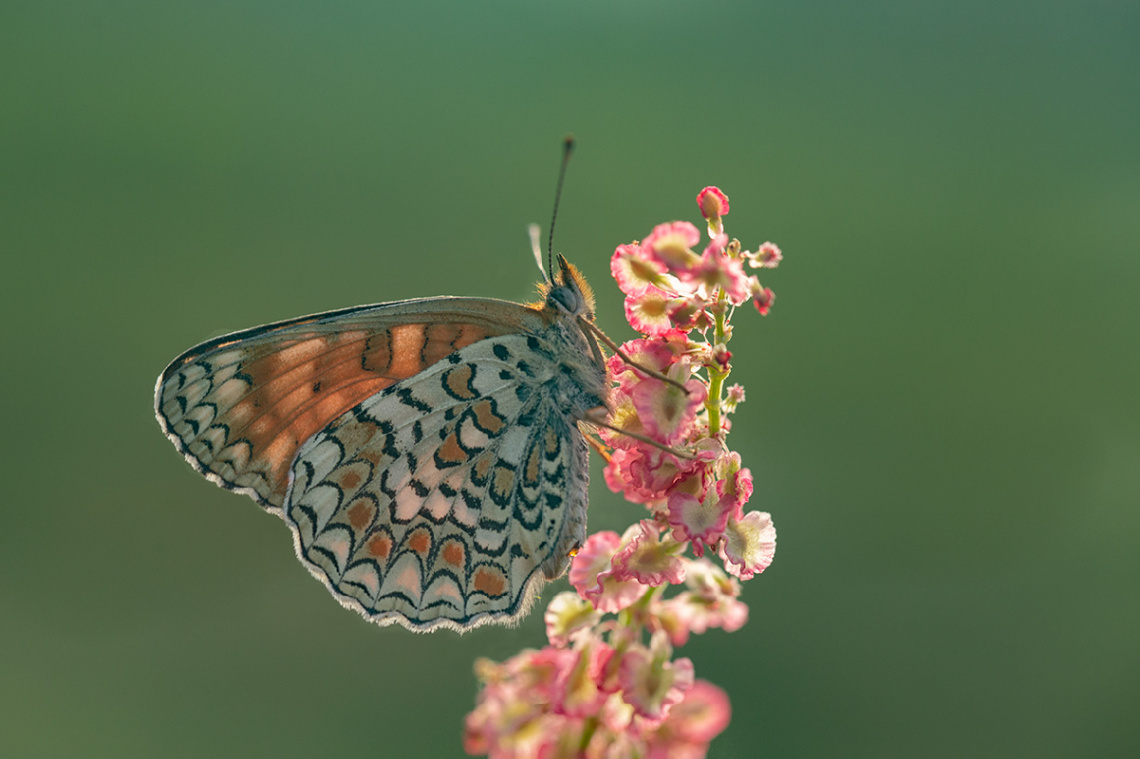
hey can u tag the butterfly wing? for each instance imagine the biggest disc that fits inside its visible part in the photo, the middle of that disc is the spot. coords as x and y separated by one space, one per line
238 407
444 500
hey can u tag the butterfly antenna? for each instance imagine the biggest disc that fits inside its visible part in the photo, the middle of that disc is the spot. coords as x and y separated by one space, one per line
567 149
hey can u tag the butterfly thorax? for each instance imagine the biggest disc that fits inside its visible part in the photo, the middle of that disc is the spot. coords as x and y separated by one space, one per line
579 379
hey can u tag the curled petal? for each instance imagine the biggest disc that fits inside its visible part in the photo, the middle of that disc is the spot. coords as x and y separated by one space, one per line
568 616
635 270
591 574
735 483
716 269
652 684
701 520
658 352
749 545
648 311
702 715
581 696
672 244
644 474
667 412
644 558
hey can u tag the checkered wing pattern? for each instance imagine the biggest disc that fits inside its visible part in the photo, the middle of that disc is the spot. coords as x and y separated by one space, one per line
446 499
240 406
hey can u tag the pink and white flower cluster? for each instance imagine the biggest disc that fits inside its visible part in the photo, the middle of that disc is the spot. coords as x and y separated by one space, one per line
609 685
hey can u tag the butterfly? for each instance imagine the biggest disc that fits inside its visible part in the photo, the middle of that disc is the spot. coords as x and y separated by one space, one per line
426 454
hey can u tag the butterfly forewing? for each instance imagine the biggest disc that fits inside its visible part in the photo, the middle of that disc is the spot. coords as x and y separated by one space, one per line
239 406
443 501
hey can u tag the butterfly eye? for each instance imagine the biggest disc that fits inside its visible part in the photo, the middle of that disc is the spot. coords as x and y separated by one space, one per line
566 298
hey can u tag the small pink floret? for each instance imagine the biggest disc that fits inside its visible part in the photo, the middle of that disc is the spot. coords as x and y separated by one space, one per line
667 412
591 574
712 202
634 269
701 716
672 244
648 311
768 256
763 298
568 616
750 545
645 559
651 684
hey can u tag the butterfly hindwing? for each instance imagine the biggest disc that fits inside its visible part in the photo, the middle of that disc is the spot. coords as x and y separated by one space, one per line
238 407
445 499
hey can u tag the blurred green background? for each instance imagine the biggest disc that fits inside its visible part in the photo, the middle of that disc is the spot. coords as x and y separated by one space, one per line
942 409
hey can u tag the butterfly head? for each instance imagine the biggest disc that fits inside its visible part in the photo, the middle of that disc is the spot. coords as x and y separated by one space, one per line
568 294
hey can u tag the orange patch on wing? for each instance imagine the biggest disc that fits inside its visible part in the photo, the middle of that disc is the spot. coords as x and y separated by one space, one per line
407 349
490 581
452 337
380 546
281 410
349 480
450 452
453 553
486 417
532 462
482 468
302 351
551 442
370 455
359 515
504 481
420 541
459 382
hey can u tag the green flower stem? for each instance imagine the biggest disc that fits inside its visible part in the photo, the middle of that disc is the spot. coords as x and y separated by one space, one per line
588 731
716 376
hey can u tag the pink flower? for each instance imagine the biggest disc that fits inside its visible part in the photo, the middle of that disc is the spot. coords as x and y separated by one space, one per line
711 601
578 686
688 312
652 684
591 574
672 244
599 690
644 558
718 269
568 616
699 511
702 715
713 204
767 256
749 545
699 519
659 352
648 311
644 474
635 270
762 298
735 483
734 396
667 412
